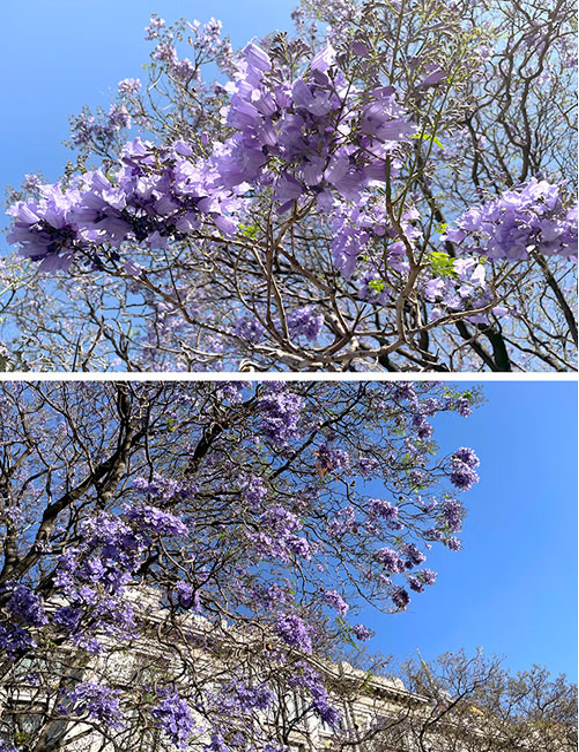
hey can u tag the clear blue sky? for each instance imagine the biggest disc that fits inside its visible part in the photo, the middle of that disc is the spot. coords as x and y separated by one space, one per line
57 55
512 590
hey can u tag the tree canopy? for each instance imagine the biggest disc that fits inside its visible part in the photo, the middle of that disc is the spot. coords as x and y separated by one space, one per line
390 188
178 557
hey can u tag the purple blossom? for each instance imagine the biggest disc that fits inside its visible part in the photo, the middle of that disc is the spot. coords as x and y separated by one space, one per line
250 698
467 455
280 409
306 677
305 322
67 617
155 520
400 598
413 555
25 604
257 57
249 329
187 596
330 459
453 543
7 747
155 25
129 86
381 508
335 600
14 640
391 560
529 215
254 491
98 702
361 632
453 513
173 716
462 475
294 631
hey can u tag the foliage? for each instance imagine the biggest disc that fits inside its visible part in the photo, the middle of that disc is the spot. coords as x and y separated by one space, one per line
179 558
391 189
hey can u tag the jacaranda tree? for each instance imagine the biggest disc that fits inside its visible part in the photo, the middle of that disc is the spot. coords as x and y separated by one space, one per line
178 559
476 705
392 188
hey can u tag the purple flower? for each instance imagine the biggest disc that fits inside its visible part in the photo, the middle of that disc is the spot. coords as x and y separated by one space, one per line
97 701
254 491
400 598
335 600
361 632
306 322
186 595
413 555
466 455
174 717
294 631
420 579
525 216
27 605
453 513
281 410
257 58
67 617
129 86
462 475
391 560
14 640
155 520
305 677
381 508
324 59
432 79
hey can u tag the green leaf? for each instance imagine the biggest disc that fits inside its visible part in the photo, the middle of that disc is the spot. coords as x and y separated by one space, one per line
441 264
377 285
250 231
428 137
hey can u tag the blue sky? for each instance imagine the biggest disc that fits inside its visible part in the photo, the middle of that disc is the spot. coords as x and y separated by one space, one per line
57 55
512 590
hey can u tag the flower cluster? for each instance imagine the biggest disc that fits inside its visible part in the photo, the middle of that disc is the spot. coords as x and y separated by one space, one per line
334 599
173 715
156 521
26 605
306 677
305 322
453 513
96 701
331 459
462 464
294 631
277 536
155 194
14 640
459 284
129 86
281 410
306 124
159 193
361 632
362 232
530 216
418 580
